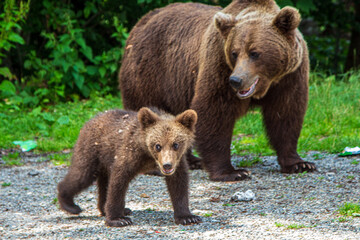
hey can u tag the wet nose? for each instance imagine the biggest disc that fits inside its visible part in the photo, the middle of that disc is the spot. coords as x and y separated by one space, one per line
167 166
235 82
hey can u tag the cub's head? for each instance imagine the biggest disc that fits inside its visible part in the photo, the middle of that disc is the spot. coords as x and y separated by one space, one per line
261 46
167 137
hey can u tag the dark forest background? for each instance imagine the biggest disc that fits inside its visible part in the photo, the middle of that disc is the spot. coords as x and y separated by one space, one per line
53 51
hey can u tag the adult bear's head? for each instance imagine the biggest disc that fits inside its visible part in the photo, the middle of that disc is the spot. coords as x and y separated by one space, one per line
261 46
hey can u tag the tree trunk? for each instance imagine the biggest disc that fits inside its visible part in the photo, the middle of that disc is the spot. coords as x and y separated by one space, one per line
353 57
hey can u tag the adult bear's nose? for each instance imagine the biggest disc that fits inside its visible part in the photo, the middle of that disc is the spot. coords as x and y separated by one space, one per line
235 82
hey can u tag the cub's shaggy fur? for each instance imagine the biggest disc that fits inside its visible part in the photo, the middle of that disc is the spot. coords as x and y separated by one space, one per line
117 145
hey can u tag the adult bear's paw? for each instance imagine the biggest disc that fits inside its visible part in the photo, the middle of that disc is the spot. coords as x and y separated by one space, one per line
236 175
299 167
187 220
118 222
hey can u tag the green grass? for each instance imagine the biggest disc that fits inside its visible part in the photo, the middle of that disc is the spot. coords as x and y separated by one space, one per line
350 209
332 122
354 162
60 159
292 226
249 162
12 159
54 128
279 224
5 184
342 219
208 214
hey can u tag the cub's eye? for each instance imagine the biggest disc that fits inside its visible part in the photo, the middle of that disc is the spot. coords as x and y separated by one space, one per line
158 147
254 55
234 55
175 146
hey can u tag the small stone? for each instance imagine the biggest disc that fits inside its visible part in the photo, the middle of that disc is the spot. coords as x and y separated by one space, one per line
243 196
33 173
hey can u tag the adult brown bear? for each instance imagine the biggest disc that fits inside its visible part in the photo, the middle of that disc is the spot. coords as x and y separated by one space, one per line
221 63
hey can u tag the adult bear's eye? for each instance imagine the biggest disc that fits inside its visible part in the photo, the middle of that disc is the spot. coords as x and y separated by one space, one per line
234 55
254 55
158 147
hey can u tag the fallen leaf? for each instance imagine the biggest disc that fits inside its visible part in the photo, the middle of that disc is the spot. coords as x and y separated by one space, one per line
144 195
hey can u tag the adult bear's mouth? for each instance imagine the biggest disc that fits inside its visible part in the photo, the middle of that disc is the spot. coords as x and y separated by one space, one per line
242 94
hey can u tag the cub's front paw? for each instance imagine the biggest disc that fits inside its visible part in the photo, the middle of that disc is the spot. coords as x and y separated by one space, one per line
118 222
187 220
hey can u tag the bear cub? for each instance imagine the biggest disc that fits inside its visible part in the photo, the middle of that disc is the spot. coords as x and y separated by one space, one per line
116 145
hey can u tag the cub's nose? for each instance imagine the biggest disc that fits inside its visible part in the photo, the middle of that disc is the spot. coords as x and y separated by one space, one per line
167 166
235 82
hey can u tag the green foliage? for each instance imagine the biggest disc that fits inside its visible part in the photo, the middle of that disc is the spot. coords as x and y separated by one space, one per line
208 214
5 184
73 50
249 162
355 162
56 127
328 129
350 209
301 175
342 219
12 159
228 205
71 61
60 159
10 30
293 225
326 25
279 224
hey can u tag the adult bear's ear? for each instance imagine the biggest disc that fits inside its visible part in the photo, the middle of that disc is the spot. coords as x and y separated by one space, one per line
224 23
147 117
287 20
188 119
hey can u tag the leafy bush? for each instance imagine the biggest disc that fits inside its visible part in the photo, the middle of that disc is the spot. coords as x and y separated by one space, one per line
72 50
9 30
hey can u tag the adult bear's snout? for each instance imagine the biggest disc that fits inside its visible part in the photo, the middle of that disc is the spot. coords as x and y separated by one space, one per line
236 82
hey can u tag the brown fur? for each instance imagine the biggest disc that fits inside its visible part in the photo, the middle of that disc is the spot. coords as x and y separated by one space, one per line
221 63
117 145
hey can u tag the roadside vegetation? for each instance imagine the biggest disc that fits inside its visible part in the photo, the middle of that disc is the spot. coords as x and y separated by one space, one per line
59 62
332 122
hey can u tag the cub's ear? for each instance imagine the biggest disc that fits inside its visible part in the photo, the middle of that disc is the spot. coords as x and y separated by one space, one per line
187 119
147 117
224 23
287 20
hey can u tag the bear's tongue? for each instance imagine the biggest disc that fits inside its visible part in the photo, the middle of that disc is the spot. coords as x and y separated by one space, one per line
249 91
243 92
168 171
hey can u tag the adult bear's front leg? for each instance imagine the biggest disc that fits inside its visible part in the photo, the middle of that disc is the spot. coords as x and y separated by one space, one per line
283 109
213 139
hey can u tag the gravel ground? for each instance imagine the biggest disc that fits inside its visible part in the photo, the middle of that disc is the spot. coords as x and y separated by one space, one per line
28 206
